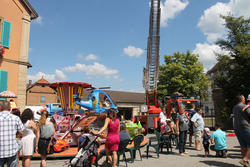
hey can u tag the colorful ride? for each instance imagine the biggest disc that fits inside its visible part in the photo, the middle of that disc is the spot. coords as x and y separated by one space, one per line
98 101
70 117
73 113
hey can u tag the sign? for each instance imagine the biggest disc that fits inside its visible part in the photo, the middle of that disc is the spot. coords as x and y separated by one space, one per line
144 108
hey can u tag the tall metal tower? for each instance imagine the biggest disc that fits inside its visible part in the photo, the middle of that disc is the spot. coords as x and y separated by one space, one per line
151 71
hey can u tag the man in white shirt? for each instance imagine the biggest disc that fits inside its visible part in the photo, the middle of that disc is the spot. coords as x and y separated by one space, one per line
198 125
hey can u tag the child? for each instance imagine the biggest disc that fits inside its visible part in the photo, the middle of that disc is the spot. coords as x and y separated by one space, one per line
206 136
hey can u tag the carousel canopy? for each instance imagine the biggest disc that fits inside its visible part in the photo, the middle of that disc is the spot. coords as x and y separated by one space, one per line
65 92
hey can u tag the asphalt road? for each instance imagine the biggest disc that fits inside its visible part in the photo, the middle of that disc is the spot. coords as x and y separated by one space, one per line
192 159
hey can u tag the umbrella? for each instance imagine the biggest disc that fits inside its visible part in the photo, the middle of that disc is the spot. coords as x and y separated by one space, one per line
7 94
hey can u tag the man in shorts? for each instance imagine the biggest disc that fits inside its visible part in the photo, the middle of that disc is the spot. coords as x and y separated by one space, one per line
242 128
198 125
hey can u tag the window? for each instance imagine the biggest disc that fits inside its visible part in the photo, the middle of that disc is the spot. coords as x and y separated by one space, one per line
42 98
5 32
3 81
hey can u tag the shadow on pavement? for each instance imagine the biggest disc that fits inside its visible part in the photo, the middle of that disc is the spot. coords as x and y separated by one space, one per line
190 148
234 150
198 155
236 146
218 163
234 155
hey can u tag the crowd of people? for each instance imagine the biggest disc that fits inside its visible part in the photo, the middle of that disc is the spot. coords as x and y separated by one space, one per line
21 135
189 121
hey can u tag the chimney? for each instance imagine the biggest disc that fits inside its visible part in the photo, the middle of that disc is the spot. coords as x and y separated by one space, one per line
30 83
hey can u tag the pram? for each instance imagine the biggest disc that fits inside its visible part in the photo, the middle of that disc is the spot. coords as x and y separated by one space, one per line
87 151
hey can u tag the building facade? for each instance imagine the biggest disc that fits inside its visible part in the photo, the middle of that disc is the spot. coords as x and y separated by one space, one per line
15 18
39 93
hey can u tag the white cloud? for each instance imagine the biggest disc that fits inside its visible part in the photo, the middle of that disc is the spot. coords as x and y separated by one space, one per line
132 51
38 20
212 25
170 9
207 54
240 7
91 57
87 58
96 69
58 76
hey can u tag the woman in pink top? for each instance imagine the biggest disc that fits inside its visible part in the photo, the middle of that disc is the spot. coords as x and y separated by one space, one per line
113 140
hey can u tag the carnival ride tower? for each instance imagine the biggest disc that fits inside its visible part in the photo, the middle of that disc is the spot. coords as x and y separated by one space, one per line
151 71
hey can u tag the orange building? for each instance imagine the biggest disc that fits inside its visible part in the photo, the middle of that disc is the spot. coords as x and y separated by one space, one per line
39 93
15 18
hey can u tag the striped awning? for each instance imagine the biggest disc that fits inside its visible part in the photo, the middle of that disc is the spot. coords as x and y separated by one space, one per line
65 92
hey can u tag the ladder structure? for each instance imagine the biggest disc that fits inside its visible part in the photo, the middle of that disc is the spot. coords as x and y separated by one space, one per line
151 71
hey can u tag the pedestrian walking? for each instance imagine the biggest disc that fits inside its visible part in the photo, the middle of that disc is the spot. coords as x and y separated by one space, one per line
198 127
182 123
241 114
45 135
10 126
29 135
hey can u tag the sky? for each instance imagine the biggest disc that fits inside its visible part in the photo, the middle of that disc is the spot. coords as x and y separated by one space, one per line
104 42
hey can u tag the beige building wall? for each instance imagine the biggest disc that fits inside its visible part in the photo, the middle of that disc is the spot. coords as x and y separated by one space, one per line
15 12
22 70
34 95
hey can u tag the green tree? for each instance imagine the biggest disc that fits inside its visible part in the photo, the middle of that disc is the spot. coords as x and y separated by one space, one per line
182 73
233 68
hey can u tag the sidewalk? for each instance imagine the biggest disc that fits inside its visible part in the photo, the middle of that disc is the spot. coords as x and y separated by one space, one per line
193 159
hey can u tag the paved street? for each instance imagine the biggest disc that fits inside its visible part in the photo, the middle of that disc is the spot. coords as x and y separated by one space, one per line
193 159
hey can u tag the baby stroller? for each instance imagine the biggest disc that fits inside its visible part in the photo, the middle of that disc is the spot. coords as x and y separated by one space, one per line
87 151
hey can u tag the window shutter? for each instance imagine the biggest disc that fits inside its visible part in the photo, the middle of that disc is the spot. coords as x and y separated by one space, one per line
6 34
3 82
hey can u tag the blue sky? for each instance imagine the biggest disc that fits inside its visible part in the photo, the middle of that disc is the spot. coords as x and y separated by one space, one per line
103 42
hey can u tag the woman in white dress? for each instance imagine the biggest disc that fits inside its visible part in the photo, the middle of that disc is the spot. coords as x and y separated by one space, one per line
29 135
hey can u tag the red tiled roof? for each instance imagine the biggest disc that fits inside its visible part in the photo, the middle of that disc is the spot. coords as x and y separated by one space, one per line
42 81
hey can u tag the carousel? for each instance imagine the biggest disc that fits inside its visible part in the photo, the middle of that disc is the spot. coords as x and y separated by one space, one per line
69 125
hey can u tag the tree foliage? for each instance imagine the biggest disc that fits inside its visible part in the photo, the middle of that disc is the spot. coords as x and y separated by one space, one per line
182 73
233 68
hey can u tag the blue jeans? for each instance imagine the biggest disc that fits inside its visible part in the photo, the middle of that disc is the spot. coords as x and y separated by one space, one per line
11 161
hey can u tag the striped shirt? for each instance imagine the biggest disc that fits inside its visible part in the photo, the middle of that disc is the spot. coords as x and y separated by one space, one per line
9 126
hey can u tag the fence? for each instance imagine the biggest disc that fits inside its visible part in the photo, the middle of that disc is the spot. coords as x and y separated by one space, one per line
209 118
